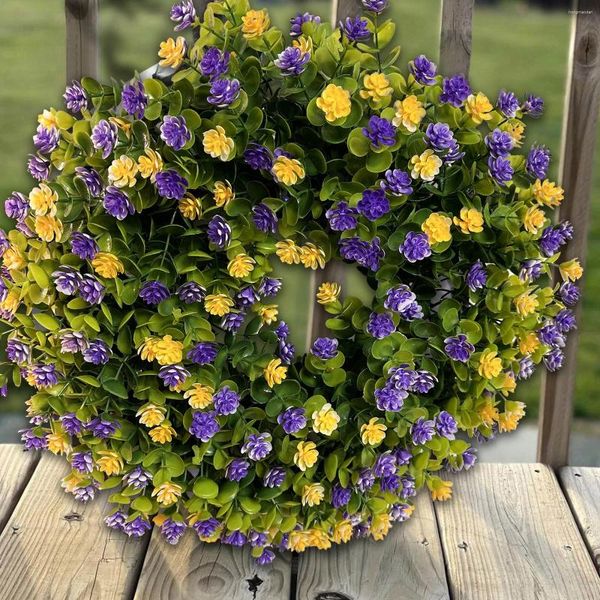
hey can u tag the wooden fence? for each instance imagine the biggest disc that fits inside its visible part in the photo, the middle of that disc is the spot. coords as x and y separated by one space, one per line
582 101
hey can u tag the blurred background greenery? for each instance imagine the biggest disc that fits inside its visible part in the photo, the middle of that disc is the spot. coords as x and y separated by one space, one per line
517 45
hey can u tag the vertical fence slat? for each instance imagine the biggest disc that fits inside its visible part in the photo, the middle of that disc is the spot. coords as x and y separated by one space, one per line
577 155
346 8
455 36
82 39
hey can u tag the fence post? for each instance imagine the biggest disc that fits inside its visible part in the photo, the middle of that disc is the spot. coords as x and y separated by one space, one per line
82 39
577 154
455 37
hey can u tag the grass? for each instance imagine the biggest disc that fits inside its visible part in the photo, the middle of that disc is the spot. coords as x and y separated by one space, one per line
513 47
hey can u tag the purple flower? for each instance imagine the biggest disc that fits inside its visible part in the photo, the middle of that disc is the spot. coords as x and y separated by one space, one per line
71 424
554 359
116 520
500 169
206 528
264 218
104 137
377 6
82 462
565 321
282 331
380 325
538 161
373 205
203 353
97 353
364 253
530 270
219 232
257 539
214 63
154 292
191 292
266 558
269 287
86 493
32 440
237 469
389 398
274 477
299 20
38 167
75 97
469 458
342 217
138 478
233 321
17 351
455 90
184 14
292 61
92 180
134 99
397 182
446 425
246 297
415 247
550 335
224 92
258 157
423 70
136 528
385 465
533 106
204 425
551 240
67 280
340 496
422 431
226 401
173 375
286 352
399 298
366 480
355 28
117 204
424 382
101 428
499 142
292 420
173 530
459 348
440 136
170 184
46 140
403 456
477 276
91 290
324 348
389 483
526 368
408 485
507 104
174 132
380 132
257 446
235 538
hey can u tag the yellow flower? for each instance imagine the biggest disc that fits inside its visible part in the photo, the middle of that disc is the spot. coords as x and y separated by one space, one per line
107 265
471 221
312 494
13 258
529 344
376 87
317 538
223 193
305 44
298 541
479 108
168 351
48 119
167 493
147 350
149 164
548 193
288 171
190 207
306 455
571 270
509 385
255 23
151 415
426 166
275 372
490 365
122 172
380 526
409 113
218 305
325 420
312 257
48 227
526 304
42 200
373 432
342 532
11 303
441 490
241 266
217 144
268 313
58 443
72 481
328 292
437 228
172 52
162 434
488 413
122 124
515 129
288 252
110 463
509 420
534 219
335 102
199 396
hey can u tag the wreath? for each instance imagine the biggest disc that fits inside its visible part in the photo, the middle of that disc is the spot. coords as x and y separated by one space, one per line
139 289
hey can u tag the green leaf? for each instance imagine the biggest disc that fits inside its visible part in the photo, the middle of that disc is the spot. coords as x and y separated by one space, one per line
142 504
47 321
379 162
39 275
205 488
116 388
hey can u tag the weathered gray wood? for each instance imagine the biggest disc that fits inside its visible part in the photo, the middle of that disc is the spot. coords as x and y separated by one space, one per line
82 39
407 565
581 486
55 547
509 533
16 467
346 8
455 37
196 571
577 167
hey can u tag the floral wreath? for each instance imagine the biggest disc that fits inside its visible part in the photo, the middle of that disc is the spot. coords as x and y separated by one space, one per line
139 291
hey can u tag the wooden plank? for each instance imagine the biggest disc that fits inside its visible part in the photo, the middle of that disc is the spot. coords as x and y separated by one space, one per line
346 8
55 547
82 39
508 533
581 486
16 467
196 571
455 37
577 167
407 565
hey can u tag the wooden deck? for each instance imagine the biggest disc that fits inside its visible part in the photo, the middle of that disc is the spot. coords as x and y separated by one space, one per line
512 532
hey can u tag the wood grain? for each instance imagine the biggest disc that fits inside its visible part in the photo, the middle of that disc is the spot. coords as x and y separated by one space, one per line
581 486
346 8
54 547
508 533
455 37
82 39
577 167
16 467
407 565
196 571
